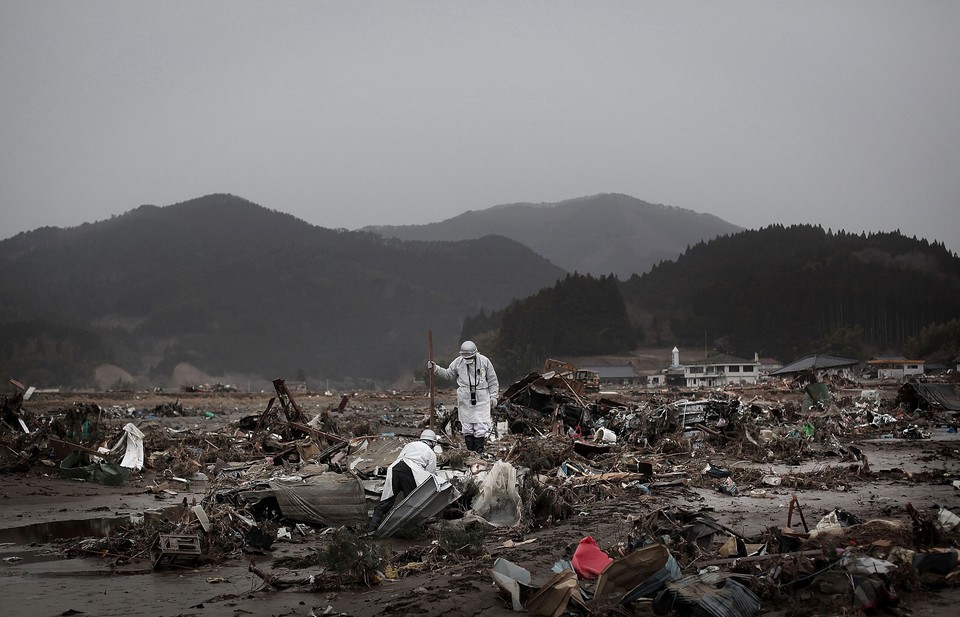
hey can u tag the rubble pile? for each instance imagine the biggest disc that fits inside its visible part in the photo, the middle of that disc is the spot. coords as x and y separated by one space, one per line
649 466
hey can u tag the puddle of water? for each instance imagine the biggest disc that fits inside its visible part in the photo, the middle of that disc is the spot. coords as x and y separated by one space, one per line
40 533
19 555
32 543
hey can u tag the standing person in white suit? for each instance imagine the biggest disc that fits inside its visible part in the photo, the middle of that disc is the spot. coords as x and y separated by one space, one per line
477 391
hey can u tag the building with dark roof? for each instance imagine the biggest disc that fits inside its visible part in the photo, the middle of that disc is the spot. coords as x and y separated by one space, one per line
817 362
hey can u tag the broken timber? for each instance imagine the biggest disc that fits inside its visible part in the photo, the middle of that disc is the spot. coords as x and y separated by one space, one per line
290 408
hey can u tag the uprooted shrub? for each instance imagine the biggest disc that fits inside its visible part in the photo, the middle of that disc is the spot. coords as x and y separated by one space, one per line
541 455
459 540
453 458
545 503
354 558
361 427
312 558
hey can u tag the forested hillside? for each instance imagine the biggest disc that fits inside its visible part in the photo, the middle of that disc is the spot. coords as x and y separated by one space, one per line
580 315
779 291
232 287
786 291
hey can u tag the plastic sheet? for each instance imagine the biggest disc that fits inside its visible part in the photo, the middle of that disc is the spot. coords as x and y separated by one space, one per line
133 457
499 501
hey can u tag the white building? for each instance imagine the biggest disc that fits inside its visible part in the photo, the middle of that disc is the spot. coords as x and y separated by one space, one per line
720 370
896 367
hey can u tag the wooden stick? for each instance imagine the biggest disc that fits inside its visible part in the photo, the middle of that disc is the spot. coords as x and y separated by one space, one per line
303 428
433 407
275 581
795 503
76 446
705 429
721 562
617 476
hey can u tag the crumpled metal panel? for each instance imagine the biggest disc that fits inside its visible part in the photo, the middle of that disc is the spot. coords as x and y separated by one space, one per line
714 594
635 571
931 396
513 581
371 453
425 502
330 499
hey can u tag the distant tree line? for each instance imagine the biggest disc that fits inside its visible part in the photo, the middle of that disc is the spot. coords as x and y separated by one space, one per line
789 291
779 291
580 315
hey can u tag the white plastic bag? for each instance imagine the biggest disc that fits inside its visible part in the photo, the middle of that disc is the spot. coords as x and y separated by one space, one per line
499 501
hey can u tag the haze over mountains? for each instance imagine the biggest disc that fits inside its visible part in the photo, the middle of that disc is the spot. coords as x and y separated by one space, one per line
232 287
246 293
601 234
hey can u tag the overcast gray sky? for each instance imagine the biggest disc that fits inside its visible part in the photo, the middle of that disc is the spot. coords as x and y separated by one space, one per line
347 113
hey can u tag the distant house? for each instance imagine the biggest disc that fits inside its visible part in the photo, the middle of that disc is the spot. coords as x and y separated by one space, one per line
896 367
720 370
297 386
818 363
665 378
614 374
768 365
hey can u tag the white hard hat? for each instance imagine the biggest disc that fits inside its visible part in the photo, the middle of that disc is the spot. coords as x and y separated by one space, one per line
468 349
428 436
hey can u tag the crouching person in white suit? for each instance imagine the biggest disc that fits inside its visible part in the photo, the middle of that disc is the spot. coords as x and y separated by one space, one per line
415 463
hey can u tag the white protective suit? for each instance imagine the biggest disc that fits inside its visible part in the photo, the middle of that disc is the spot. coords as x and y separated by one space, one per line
420 458
477 373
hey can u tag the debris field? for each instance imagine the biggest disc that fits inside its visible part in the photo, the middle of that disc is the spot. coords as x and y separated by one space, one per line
786 498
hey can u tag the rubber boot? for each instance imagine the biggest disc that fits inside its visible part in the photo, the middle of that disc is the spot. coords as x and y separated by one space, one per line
468 439
478 445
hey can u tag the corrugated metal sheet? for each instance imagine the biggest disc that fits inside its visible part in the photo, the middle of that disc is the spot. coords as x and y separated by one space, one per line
713 594
931 396
331 499
815 362
370 453
428 500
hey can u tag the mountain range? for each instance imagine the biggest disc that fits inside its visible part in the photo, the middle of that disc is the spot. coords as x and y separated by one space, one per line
601 234
234 288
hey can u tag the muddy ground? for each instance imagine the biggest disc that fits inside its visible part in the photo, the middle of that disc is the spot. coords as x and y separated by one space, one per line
41 514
